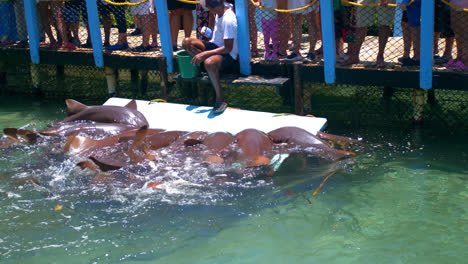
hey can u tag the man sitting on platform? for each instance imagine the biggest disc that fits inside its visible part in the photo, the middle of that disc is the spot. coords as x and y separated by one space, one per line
220 53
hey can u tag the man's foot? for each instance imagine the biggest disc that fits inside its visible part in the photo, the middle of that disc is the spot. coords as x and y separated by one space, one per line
310 56
70 46
380 62
294 57
54 44
440 60
106 44
401 59
118 47
410 62
141 49
87 45
154 45
136 32
219 108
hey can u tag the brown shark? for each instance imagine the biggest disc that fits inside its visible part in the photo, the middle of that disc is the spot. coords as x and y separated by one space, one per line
305 140
127 115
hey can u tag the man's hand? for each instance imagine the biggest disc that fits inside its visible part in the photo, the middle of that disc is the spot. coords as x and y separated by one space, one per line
258 3
384 3
199 58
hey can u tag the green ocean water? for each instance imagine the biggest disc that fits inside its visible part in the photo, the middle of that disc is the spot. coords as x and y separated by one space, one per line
402 199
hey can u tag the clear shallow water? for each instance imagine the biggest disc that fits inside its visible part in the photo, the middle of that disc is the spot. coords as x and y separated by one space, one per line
403 199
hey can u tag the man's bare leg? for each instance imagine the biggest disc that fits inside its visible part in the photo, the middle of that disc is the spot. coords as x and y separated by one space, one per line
384 33
213 66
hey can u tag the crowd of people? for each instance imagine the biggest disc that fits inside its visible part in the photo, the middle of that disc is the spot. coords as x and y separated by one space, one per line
282 31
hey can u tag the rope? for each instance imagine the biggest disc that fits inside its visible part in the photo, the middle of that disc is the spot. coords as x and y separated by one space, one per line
157 100
189 2
285 10
316 191
454 6
125 3
363 5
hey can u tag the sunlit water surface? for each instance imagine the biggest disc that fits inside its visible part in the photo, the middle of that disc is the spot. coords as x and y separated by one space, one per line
402 199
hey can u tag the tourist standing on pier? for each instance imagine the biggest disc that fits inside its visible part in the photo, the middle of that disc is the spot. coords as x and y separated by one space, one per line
144 15
310 14
414 21
119 13
269 21
459 19
177 10
220 53
366 17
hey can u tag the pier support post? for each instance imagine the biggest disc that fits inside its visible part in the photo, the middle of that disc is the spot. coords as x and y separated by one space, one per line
298 102
95 31
427 35
165 32
35 78
33 32
328 39
143 82
418 106
243 36
3 79
111 77
135 79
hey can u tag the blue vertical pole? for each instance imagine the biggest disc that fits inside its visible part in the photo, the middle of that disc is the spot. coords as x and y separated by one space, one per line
328 39
33 32
427 35
165 32
95 31
243 36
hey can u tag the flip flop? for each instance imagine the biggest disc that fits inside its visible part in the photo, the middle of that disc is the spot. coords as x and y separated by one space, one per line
219 108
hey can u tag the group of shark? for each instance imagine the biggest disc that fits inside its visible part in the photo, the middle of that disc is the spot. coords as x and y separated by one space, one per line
108 138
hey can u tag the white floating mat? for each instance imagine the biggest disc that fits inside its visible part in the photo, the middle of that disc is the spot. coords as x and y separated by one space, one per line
191 118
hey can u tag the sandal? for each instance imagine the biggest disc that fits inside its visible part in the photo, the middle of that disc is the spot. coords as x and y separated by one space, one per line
219 108
70 46
54 44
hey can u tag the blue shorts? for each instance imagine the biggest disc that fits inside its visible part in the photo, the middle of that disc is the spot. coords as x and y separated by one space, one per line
414 14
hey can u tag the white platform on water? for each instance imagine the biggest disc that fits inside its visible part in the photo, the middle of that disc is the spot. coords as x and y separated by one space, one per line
170 116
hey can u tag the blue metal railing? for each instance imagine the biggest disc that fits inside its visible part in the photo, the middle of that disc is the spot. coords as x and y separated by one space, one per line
328 36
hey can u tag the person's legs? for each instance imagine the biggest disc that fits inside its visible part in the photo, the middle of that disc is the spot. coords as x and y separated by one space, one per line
119 14
145 27
385 16
313 31
415 36
407 40
154 29
266 36
45 16
283 27
213 66
20 21
364 18
252 29
296 37
58 9
174 19
187 17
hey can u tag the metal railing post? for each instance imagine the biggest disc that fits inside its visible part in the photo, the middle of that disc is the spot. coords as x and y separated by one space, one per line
427 35
328 39
95 31
165 32
33 32
243 36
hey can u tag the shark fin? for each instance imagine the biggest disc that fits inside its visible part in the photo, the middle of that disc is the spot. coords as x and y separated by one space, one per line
74 107
132 105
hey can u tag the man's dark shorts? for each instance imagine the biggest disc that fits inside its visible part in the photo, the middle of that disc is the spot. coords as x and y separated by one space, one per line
227 64
174 4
